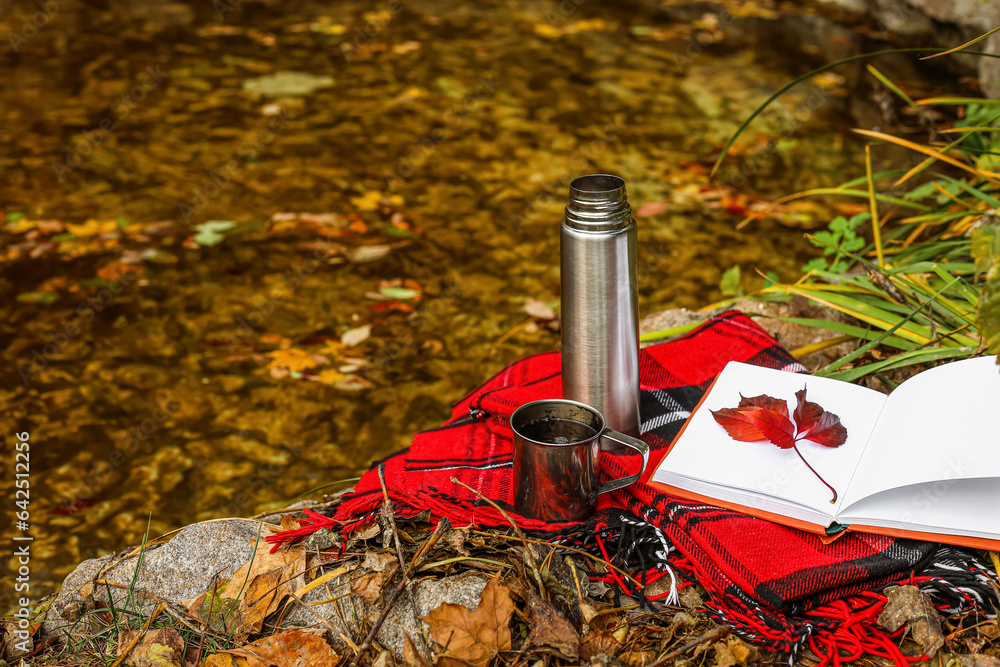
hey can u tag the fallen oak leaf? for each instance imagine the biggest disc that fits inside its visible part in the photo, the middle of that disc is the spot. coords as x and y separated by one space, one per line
287 649
911 606
473 637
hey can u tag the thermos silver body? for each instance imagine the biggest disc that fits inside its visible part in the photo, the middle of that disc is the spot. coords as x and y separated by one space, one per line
600 302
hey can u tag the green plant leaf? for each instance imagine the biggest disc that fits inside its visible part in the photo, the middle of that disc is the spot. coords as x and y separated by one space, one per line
210 233
730 283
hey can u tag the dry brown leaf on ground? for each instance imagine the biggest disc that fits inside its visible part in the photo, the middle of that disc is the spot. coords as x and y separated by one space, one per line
979 660
381 561
596 642
288 649
265 561
907 604
550 629
163 647
262 584
369 586
734 651
259 600
473 637
411 654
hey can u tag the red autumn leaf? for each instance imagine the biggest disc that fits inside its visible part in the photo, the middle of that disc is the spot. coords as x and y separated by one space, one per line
776 427
748 423
816 424
764 401
766 418
738 425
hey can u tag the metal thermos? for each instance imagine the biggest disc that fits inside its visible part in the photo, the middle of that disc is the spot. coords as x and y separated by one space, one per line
600 313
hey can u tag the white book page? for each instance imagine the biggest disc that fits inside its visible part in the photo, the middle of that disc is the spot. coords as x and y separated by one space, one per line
706 452
947 507
942 424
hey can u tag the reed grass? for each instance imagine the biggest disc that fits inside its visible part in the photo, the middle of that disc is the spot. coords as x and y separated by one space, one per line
918 275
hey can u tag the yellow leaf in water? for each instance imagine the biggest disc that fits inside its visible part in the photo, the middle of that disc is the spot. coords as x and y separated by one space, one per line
330 377
334 349
92 227
369 201
294 359
546 30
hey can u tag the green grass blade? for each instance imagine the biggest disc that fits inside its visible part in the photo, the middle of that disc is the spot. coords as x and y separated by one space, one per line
903 359
963 46
792 84
891 86
848 330
667 333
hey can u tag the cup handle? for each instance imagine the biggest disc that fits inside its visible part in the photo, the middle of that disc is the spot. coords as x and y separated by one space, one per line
636 444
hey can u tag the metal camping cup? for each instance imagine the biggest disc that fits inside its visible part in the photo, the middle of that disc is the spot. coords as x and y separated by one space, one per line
556 465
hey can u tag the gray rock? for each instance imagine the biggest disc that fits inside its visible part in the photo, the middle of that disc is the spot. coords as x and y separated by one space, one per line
351 616
181 569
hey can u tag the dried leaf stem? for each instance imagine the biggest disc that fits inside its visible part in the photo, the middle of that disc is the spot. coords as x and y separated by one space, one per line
818 476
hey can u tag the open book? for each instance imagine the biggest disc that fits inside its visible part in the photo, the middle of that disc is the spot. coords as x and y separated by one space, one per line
923 462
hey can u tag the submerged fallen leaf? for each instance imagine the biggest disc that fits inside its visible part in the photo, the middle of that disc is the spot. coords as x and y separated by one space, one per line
367 253
356 336
210 233
294 359
473 637
652 208
539 309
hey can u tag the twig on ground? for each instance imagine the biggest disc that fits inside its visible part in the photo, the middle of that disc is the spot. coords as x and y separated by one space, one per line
211 601
390 514
567 548
530 557
713 635
425 548
390 517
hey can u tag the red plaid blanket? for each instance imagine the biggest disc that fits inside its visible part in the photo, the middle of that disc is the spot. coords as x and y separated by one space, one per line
778 587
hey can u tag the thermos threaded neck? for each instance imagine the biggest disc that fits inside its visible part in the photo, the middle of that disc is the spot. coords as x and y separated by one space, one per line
598 203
